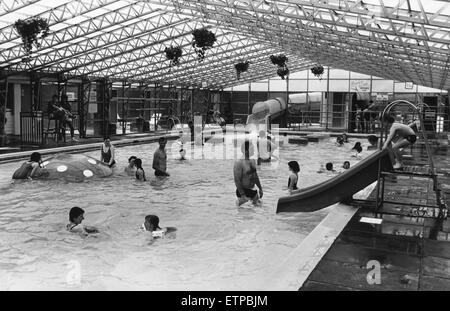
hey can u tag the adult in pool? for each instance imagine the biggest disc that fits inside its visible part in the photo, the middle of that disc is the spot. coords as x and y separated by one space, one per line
76 216
107 153
246 177
160 158
30 169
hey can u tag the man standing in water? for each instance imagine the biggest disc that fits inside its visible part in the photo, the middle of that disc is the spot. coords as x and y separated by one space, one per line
245 176
160 159
400 135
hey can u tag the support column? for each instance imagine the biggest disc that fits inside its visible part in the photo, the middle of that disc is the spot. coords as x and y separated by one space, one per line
3 103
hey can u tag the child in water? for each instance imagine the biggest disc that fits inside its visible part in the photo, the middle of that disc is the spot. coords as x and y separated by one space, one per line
140 173
358 148
293 178
130 168
76 216
151 224
346 165
31 169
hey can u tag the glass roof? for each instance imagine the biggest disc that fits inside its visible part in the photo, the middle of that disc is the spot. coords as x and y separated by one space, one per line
124 40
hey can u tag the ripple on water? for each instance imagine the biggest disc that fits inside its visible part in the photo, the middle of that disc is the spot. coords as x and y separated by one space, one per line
217 246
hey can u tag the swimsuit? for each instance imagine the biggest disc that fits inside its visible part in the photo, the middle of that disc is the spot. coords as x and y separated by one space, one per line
294 187
250 193
411 138
107 156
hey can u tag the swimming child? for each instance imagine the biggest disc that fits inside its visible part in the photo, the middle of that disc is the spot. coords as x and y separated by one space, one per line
346 165
30 169
140 173
373 140
358 148
151 224
130 169
293 178
76 216
345 137
182 154
329 167
339 141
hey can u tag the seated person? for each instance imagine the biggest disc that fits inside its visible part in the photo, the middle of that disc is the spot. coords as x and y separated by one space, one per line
31 169
107 153
140 173
151 224
293 178
76 216
130 169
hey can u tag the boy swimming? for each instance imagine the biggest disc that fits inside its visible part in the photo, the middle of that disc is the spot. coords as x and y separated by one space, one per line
151 223
76 216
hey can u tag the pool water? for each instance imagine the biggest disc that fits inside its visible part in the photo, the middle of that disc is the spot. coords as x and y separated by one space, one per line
217 246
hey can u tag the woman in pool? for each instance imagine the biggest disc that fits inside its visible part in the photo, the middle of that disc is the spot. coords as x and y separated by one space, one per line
151 224
30 169
293 178
107 153
76 216
140 174
130 169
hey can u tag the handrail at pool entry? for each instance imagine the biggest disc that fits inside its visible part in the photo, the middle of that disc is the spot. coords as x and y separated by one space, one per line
339 187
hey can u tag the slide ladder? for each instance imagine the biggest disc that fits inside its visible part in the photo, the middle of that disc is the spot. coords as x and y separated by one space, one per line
428 170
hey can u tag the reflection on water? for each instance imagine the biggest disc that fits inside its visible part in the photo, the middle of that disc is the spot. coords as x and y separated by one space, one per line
217 246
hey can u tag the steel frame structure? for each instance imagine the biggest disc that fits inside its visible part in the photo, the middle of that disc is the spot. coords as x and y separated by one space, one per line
124 40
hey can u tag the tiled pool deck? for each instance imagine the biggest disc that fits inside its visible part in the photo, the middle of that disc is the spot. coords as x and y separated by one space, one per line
409 250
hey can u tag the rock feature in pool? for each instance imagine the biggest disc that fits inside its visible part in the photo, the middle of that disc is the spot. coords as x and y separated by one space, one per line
74 167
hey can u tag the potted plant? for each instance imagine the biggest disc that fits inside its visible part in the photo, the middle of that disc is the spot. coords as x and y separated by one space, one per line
317 71
203 40
241 67
279 60
173 54
282 72
30 29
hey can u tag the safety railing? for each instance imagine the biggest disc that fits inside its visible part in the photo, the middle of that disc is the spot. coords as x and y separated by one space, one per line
36 128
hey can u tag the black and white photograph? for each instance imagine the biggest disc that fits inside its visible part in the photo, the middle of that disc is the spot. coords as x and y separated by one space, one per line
224 151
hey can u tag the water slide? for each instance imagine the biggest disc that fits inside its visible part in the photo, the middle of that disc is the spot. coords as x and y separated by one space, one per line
268 112
338 188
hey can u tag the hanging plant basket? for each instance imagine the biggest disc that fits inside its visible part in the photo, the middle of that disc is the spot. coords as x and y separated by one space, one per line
317 71
203 40
173 54
279 60
31 30
283 72
241 67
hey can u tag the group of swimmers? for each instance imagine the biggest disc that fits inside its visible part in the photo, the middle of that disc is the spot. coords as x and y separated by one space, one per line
151 224
134 166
